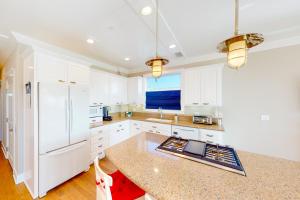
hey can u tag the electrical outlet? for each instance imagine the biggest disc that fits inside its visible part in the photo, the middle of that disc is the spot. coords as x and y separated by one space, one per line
265 117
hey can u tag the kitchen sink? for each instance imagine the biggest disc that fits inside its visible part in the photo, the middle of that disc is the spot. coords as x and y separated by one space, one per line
159 120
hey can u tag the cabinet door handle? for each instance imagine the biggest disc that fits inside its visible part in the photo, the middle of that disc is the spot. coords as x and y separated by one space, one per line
195 103
61 81
154 127
73 82
186 130
205 104
118 130
100 138
175 133
209 141
100 146
208 135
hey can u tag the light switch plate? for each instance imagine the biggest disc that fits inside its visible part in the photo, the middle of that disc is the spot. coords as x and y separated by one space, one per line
265 117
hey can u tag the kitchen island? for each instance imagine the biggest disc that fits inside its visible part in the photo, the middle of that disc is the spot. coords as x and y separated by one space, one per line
169 177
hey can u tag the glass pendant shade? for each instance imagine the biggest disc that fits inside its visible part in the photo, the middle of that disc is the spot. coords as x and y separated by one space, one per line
157 68
237 54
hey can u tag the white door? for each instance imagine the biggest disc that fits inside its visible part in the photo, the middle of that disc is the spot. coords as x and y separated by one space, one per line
79 113
53 117
10 128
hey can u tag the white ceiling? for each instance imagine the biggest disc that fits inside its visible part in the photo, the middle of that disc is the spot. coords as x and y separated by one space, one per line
119 31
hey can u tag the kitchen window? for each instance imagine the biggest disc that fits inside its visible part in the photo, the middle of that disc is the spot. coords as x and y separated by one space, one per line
164 92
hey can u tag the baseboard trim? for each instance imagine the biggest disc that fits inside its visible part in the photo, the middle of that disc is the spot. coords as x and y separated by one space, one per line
4 152
18 178
28 188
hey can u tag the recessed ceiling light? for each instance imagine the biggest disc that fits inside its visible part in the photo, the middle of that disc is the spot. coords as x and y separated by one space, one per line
127 59
146 10
90 41
172 46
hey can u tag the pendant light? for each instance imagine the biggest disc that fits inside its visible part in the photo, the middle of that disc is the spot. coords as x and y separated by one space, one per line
158 62
237 46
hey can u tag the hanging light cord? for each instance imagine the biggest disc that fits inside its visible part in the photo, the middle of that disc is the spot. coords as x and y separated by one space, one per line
236 18
156 29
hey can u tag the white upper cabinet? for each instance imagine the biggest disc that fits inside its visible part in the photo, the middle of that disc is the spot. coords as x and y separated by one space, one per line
192 86
118 90
107 88
99 87
53 69
203 85
78 74
135 90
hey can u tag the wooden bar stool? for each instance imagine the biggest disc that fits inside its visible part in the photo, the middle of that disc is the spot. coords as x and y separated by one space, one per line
116 186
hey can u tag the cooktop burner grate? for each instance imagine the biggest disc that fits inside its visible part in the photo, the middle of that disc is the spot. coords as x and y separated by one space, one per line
223 157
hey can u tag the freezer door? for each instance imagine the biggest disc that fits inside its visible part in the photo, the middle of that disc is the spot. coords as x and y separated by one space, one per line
53 117
79 113
59 166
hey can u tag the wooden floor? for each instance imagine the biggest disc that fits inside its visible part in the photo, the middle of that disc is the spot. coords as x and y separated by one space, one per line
81 187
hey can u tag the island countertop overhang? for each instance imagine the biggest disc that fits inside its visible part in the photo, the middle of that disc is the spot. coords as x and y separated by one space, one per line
169 177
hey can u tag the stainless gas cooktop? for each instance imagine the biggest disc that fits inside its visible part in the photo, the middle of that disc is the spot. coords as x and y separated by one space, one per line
222 157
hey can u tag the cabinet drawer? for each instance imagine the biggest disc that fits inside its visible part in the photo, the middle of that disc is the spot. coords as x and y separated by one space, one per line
185 132
99 154
212 136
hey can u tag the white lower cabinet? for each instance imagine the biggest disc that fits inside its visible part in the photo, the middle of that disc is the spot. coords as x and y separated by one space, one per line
99 141
163 129
186 132
135 127
211 136
109 135
119 132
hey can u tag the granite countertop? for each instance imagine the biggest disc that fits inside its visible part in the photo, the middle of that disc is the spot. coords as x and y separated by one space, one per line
179 123
169 177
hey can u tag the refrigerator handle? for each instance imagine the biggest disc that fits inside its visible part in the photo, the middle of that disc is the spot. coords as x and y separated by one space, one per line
66 115
71 116
64 150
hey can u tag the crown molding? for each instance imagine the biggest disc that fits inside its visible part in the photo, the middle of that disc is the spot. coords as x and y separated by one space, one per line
42 46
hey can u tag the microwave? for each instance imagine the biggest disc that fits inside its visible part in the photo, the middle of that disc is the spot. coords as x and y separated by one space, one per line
96 111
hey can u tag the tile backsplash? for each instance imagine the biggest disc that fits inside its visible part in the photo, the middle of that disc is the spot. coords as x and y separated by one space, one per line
188 110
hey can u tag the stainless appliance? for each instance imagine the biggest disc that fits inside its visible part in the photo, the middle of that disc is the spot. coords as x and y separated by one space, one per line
96 113
222 157
202 119
63 133
106 116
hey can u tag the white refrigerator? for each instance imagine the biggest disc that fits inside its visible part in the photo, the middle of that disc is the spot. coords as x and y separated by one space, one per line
63 133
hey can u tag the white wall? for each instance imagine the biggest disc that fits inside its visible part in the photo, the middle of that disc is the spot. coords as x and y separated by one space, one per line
30 152
269 84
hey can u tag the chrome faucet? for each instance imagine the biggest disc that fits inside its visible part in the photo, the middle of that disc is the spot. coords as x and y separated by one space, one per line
160 111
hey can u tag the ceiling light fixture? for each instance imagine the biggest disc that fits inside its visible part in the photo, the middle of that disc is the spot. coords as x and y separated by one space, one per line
172 46
157 62
146 10
236 47
90 41
127 59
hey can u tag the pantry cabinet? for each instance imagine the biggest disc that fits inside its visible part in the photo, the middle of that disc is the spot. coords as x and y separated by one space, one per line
203 86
